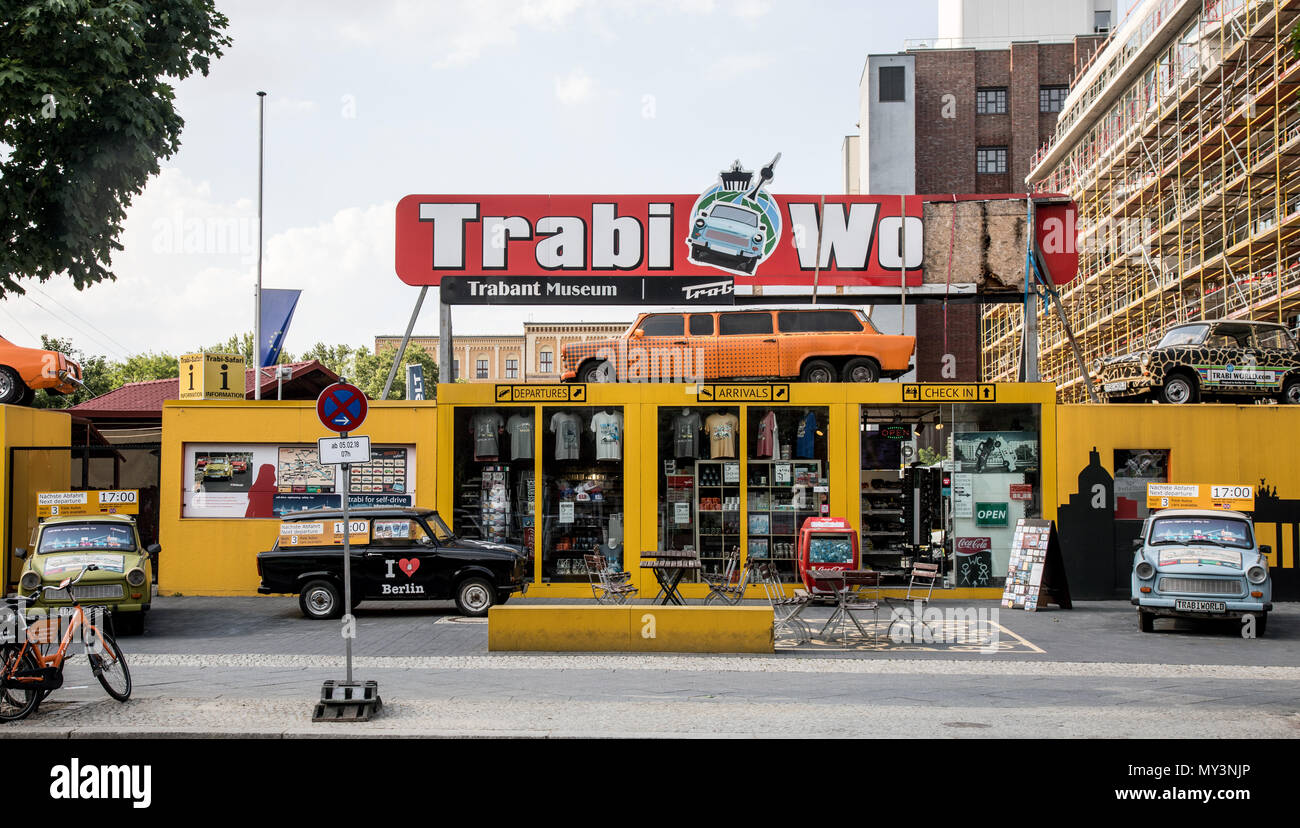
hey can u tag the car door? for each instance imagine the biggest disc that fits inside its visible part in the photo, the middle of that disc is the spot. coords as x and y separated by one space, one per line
651 354
400 562
747 345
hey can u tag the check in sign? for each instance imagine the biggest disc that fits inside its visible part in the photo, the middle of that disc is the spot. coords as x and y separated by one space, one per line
337 450
962 392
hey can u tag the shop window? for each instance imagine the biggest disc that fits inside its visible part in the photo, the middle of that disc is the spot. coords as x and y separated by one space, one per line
546 363
739 324
991 101
701 324
493 483
582 489
786 480
699 483
991 160
1134 469
512 369
664 324
481 369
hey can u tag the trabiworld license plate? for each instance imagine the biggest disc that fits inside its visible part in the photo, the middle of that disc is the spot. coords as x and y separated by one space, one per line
1185 605
1115 386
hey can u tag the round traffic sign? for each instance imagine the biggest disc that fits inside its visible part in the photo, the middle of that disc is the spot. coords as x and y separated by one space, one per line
341 407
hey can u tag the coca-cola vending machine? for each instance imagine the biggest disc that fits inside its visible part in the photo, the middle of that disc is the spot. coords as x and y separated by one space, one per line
826 543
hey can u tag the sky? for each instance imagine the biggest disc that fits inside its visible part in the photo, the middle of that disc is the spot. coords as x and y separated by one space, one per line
368 102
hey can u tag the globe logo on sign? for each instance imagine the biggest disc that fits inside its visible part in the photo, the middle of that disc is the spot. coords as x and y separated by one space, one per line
735 226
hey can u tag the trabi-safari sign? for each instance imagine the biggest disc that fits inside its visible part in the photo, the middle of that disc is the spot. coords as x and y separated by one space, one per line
527 248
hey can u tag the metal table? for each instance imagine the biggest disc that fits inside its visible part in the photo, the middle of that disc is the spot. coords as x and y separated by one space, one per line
669 569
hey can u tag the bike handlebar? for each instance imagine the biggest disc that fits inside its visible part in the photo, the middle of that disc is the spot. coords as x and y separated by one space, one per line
43 588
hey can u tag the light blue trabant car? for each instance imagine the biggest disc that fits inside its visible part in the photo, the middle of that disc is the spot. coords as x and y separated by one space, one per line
728 233
1197 563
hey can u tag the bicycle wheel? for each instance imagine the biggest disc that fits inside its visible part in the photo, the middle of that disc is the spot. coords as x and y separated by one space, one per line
17 702
110 668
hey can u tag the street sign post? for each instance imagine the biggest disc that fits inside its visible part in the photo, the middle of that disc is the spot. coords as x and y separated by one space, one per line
342 407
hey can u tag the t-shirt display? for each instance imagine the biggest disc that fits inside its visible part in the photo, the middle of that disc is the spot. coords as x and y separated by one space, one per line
767 437
608 427
722 430
567 429
520 428
485 427
686 435
803 444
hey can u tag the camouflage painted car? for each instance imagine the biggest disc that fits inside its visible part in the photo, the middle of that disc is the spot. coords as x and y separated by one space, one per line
218 468
1231 359
64 546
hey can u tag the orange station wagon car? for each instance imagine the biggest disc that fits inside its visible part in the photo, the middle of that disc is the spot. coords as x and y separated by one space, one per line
810 344
24 371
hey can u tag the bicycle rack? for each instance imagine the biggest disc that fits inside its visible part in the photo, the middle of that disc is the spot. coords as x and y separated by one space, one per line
342 701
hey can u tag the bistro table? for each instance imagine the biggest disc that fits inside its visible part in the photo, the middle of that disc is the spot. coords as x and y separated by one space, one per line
669 569
848 586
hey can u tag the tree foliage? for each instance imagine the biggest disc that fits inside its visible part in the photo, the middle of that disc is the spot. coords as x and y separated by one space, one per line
369 371
86 112
96 375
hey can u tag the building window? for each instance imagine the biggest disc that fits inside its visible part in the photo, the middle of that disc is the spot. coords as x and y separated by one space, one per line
1051 98
1101 21
991 101
546 365
455 370
480 369
512 369
991 160
893 84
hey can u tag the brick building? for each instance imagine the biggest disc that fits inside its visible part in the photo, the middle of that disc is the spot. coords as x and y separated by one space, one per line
966 118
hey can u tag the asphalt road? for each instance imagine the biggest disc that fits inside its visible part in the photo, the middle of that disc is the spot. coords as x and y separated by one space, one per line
241 666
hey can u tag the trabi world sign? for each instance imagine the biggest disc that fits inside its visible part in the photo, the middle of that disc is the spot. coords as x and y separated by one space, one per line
735 229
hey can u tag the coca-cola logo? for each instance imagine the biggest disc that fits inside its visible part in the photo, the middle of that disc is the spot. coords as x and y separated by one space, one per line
968 545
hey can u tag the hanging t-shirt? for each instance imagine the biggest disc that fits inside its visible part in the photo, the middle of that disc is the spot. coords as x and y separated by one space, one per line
686 435
767 438
567 429
722 434
609 435
803 444
520 427
485 426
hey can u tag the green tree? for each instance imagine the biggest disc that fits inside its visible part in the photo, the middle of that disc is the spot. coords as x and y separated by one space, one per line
143 368
235 344
337 358
96 375
86 111
369 371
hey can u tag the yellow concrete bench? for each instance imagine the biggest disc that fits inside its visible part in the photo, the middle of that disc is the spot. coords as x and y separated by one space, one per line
630 628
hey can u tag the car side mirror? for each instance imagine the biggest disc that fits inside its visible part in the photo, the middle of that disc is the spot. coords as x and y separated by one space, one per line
153 549
1265 549
638 333
1137 543
19 553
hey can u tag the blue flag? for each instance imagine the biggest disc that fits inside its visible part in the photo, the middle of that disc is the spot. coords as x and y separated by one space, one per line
277 313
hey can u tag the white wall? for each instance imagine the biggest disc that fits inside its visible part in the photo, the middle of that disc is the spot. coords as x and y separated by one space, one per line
995 24
887 146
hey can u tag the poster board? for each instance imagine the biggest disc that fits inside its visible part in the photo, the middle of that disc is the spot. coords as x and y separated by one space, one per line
1036 571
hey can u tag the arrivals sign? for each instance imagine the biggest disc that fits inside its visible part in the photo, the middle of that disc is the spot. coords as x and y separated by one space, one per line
527 248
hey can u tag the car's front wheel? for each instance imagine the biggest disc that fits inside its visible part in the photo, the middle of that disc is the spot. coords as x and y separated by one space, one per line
1146 621
1290 392
597 371
474 597
320 600
12 387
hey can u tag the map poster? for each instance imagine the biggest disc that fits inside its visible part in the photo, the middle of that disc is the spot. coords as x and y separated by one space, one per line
299 470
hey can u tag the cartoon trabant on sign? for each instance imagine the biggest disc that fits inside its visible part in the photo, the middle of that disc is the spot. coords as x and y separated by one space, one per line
397 554
1216 358
1198 557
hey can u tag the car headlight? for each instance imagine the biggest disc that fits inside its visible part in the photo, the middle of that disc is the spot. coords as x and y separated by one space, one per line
30 581
1096 366
135 577
758 238
1145 571
699 222
1146 361
1257 574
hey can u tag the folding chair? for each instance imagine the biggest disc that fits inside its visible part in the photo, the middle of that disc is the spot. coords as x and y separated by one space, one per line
726 587
607 587
923 577
785 611
865 597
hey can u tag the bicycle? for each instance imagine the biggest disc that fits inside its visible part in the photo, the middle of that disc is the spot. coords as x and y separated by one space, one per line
28 675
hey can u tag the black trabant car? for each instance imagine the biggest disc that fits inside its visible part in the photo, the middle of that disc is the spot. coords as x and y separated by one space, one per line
397 554
1231 359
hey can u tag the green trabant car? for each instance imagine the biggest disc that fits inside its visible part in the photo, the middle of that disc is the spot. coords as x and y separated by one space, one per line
66 545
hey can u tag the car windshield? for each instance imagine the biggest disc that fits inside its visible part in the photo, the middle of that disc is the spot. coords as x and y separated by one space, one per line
88 535
725 211
1209 531
1186 335
1274 338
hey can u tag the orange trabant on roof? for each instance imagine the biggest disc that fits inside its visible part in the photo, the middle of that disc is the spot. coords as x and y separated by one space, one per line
811 344
24 371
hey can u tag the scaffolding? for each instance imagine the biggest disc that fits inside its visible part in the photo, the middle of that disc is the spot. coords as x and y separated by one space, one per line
1187 186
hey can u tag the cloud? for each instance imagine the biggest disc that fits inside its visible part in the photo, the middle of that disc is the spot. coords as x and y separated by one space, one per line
574 88
732 67
751 9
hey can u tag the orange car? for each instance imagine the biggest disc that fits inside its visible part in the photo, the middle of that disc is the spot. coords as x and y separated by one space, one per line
813 344
24 371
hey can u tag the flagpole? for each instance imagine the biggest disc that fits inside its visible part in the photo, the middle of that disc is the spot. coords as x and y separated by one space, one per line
257 290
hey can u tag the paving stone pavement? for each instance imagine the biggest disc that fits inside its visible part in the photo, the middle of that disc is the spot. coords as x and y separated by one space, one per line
253 666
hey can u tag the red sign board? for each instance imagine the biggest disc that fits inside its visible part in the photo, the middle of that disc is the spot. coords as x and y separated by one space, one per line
1057 236
764 240
969 546
342 407
1022 491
